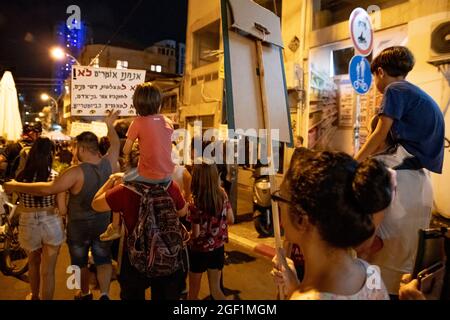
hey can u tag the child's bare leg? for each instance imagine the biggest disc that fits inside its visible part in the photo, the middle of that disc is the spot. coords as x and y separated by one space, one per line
116 220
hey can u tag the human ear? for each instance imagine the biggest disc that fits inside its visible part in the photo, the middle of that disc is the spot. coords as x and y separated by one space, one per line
380 72
300 223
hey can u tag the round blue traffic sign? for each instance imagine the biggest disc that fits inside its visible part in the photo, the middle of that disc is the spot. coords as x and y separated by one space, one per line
360 74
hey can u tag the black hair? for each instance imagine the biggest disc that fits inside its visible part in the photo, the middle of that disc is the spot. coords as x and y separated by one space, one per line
89 141
395 61
39 163
32 127
338 195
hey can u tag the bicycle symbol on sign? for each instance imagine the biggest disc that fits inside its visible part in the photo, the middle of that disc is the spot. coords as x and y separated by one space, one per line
360 84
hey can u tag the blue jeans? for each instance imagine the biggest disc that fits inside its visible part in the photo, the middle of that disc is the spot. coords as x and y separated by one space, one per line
133 176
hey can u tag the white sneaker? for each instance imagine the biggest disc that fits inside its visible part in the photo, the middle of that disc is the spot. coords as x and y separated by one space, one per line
111 233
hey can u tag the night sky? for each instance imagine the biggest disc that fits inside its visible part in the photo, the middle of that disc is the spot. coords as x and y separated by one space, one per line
27 28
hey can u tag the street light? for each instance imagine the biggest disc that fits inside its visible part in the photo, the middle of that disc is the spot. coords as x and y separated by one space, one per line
46 97
59 54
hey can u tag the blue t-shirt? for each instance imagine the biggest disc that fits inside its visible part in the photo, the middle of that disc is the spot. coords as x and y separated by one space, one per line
418 123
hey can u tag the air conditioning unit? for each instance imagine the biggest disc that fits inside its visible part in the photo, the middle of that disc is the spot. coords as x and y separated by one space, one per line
440 43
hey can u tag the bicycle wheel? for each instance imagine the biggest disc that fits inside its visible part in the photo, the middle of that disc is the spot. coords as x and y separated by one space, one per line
14 259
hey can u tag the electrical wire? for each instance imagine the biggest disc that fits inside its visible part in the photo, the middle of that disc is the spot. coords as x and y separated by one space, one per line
118 31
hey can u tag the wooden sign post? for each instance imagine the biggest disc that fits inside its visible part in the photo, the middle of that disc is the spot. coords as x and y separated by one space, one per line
255 81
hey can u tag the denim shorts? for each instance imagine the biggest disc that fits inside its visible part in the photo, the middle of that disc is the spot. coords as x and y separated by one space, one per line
40 228
134 176
83 235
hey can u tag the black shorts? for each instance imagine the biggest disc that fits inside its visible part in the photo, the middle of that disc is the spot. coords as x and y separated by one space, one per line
202 261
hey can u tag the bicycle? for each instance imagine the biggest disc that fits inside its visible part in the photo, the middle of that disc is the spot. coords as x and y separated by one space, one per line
13 258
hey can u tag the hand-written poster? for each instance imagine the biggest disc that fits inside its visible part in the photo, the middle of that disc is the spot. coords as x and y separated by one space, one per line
98 128
95 91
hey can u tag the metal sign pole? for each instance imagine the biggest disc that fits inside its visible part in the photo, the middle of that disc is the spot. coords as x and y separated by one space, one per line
357 124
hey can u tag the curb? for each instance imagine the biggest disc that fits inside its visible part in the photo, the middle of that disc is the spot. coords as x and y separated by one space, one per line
262 249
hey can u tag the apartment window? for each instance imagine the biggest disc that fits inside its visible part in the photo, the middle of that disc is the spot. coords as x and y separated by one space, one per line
121 64
206 42
169 104
156 68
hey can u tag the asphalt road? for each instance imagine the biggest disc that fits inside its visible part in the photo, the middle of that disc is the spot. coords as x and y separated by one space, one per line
246 277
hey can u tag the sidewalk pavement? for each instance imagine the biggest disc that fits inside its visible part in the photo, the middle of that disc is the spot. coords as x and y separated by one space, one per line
243 232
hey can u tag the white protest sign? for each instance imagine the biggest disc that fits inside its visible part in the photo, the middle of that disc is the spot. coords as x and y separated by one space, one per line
98 90
98 128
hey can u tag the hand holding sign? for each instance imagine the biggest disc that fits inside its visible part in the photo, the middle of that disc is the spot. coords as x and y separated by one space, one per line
111 118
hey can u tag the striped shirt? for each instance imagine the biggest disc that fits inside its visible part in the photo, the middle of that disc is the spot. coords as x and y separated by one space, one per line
30 201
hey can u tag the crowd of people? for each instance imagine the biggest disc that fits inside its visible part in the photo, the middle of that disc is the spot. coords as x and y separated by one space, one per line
344 214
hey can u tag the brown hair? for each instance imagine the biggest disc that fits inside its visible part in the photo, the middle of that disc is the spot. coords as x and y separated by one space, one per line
395 61
207 193
147 99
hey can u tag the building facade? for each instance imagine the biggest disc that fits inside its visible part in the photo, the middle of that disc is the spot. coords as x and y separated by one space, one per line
112 57
317 49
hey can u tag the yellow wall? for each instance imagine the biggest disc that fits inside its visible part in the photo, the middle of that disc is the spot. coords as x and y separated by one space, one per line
197 100
429 79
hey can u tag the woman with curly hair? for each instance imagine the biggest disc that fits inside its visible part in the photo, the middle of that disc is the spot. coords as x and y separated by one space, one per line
329 205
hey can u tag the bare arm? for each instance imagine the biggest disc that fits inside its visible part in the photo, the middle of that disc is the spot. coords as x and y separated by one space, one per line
187 178
63 183
61 203
128 147
377 138
230 216
195 230
183 212
114 150
99 204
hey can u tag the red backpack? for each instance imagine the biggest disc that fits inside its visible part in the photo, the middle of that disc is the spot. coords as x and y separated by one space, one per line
156 244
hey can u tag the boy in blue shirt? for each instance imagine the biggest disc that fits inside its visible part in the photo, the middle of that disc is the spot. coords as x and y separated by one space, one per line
413 118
